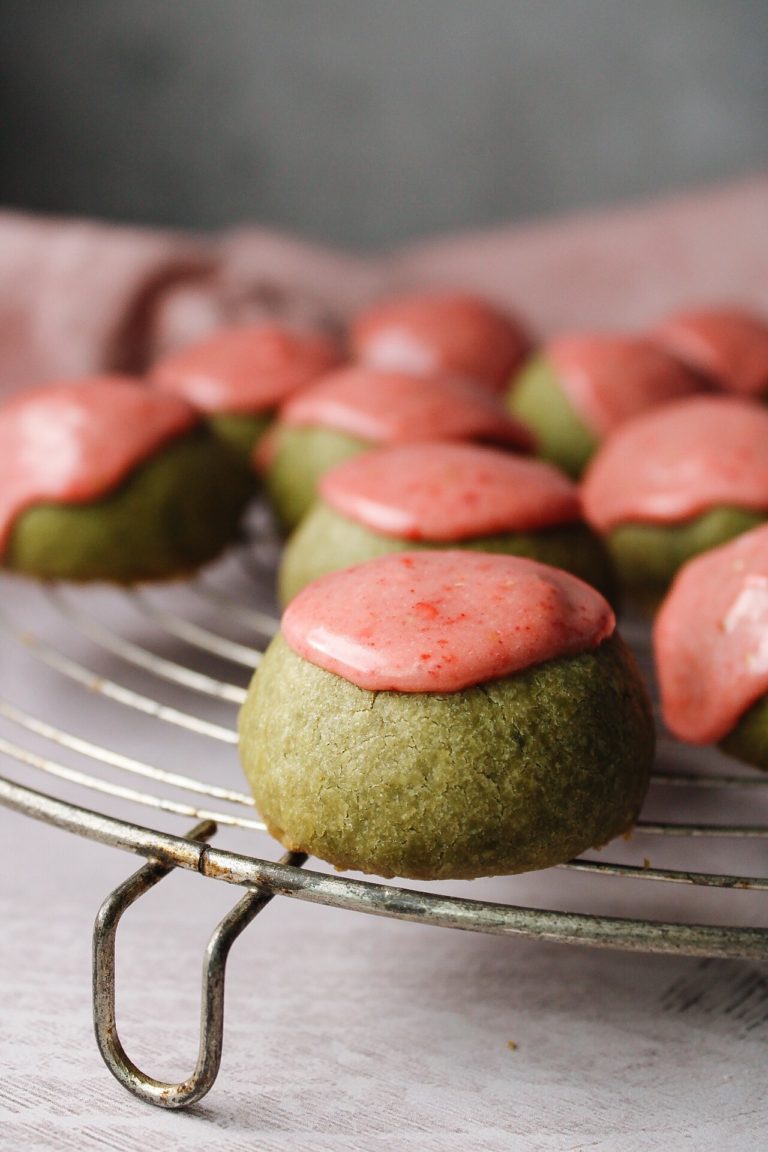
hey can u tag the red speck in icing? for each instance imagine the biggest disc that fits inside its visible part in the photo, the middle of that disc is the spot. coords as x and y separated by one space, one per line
727 345
397 407
493 616
711 639
677 462
75 441
246 370
459 334
449 492
609 379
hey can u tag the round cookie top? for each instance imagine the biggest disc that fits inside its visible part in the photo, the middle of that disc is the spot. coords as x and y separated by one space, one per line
675 463
397 407
711 639
609 379
449 492
443 621
246 369
460 334
75 441
729 346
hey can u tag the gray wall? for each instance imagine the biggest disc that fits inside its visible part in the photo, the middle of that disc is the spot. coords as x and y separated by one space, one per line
369 121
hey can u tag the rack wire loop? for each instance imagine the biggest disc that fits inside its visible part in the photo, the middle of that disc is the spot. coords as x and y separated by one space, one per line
158 1092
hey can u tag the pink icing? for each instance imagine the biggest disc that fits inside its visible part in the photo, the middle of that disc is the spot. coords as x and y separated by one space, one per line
728 345
443 621
246 369
396 407
675 463
459 334
711 639
609 379
73 442
449 492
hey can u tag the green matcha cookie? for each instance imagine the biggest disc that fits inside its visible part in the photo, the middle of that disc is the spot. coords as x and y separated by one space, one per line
709 646
516 774
749 739
647 556
238 377
562 437
359 407
326 541
299 457
675 483
240 433
174 512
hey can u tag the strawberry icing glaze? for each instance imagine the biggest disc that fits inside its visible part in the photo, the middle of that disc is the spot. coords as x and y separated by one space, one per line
73 442
449 492
677 462
443 621
711 639
459 334
609 379
727 345
246 369
397 407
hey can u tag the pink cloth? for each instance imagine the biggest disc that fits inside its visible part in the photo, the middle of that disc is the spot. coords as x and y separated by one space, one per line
610 269
79 297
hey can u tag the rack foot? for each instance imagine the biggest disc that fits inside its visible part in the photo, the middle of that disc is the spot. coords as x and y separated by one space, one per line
165 1095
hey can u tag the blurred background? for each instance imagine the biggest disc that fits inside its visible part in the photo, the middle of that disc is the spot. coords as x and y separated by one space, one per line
366 124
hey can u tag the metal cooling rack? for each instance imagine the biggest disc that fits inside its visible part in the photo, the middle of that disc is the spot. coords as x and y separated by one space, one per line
169 668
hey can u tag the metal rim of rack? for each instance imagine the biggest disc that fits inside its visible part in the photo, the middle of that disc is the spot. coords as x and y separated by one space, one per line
287 877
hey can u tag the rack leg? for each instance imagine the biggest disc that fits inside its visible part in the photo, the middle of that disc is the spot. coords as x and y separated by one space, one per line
157 1092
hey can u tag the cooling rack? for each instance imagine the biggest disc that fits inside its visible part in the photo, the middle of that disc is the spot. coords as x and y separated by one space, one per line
167 668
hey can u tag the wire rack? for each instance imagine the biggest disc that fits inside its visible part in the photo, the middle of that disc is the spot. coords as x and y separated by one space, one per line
167 669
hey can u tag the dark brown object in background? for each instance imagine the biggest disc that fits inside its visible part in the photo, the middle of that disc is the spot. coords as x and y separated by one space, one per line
78 297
